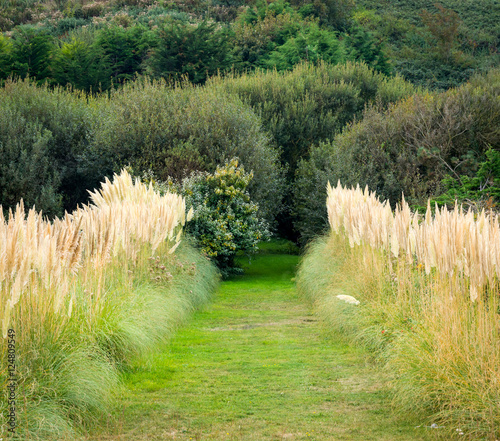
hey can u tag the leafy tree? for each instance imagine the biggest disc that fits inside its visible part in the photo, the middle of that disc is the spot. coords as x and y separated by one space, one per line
75 63
312 44
225 219
193 51
362 46
31 54
257 34
26 166
173 130
120 52
5 57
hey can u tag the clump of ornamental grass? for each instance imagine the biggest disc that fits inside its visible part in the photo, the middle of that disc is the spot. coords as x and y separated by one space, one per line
429 303
83 299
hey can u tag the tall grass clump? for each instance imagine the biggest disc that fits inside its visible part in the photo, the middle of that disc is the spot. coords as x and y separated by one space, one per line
429 302
88 293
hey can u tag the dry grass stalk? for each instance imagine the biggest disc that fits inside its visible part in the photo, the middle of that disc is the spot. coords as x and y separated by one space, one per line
40 261
449 242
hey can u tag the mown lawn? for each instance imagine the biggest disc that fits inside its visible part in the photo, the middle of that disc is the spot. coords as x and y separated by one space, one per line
256 365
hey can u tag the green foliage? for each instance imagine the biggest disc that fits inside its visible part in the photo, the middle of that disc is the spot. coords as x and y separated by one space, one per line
312 44
186 50
76 64
26 170
5 57
309 105
479 191
174 130
56 134
258 31
31 54
361 46
436 46
312 103
310 217
225 219
120 52
408 149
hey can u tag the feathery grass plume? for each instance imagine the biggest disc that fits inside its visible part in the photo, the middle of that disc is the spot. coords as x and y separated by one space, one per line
450 242
429 301
79 295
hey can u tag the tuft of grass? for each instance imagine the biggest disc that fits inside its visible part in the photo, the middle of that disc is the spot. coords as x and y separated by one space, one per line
428 305
85 296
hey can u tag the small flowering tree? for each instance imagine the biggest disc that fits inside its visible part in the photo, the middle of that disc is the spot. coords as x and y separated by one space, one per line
225 220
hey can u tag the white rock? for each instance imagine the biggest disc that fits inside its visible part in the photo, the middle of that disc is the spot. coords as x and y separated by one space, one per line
348 299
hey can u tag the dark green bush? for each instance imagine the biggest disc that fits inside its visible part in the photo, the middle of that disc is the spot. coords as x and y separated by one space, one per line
309 105
5 57
185 50
31 54
258 31
120 52
408 149
311 44
313 102
174 130
76 63
362 46
26 170
58 130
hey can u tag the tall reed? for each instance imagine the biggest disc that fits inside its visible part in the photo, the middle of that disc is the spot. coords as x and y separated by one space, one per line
429 303
80 295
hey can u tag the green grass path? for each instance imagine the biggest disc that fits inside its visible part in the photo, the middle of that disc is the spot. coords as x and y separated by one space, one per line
256 365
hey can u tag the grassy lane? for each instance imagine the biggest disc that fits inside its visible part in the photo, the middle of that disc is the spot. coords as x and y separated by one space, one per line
257 365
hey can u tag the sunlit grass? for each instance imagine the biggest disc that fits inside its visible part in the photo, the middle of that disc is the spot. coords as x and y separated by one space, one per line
256 364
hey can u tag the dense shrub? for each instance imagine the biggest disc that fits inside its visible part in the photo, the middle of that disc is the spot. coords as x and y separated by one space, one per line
31 54
75 63
174 130
309 105
5 57
311 44
362 46
120 52
409 148
312 103
275 35
225 219
26 170
185 50
49 129
257 31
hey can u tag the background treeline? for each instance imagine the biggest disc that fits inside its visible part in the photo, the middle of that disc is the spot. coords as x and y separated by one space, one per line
157 42
295 130
92 45
56 143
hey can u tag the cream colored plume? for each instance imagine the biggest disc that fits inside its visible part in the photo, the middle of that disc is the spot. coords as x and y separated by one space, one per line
448 242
